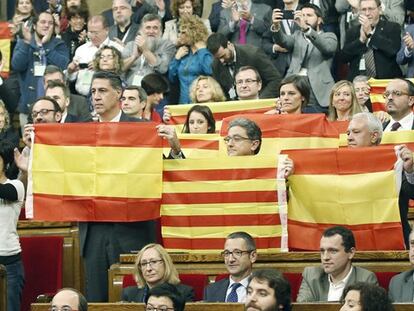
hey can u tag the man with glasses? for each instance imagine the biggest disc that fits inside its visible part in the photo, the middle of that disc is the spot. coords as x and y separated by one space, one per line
239 255
371 47
244 137
327 282
248 83
68 299
164 297
124 30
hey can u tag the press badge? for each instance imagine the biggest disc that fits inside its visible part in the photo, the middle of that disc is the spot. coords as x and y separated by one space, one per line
39 69
232 93
86 77
362 64
137 80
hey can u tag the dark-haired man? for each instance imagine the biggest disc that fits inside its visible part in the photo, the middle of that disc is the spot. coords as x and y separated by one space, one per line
69 299
239 255
133 101
312 52
244 137
327 282
228 58
164 297
268 290
60 92
248 83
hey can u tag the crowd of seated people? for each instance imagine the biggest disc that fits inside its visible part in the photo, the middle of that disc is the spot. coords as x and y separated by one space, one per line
124 65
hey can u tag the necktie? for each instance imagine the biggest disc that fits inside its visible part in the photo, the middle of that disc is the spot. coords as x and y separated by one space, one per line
370 63
232 297
395 126
243 30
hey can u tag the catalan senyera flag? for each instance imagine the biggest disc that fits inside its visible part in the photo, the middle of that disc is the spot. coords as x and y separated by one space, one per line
203 201
5 43
378 87
197 145
221 110
285 132
352 187
96 172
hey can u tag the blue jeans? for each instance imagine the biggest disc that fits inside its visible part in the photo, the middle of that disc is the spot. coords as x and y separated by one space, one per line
15 283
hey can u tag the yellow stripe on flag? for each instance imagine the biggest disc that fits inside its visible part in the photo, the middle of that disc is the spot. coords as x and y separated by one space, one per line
350 190
218 251
220 232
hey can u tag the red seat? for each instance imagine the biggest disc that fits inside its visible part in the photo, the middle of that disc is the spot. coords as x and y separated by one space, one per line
384 278
197 281
42 260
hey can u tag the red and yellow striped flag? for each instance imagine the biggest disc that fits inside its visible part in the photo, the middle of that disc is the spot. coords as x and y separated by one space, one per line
5 43
355 188
285 132
197 145
96 172
378 87
203 201
222 110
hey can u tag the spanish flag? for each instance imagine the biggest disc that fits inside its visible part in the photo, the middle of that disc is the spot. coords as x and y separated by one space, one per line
355 188
221 110
96 172
285 131
5 43
204 201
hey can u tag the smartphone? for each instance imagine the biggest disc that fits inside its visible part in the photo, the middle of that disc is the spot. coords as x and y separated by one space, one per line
83 65
288 14
29 24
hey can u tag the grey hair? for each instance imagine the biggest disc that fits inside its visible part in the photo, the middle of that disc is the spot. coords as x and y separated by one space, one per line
252 129
374 124
360 78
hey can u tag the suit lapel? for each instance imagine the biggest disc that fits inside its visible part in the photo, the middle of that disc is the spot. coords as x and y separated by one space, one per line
408 288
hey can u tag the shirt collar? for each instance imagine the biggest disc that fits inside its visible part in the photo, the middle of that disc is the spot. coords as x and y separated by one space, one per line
343 281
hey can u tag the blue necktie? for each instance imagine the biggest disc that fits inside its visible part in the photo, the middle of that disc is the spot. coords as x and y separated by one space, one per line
232 297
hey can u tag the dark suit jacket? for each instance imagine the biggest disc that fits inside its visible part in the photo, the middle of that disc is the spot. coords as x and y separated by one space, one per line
402 59
216 292
214 16
70 118
79 108
406 193
385 42
130 36
248 55
136 294
401 287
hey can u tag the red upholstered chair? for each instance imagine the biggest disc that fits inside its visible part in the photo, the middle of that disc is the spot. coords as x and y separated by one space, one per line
221 276
384 278
42 260
295 279
197 281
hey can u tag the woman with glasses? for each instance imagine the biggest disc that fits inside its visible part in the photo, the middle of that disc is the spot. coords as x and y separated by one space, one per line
153 267
11 202
343 102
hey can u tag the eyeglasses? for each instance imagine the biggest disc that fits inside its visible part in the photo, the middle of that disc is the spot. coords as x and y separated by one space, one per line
150 307
150 263
396 93
237 253
64 308
247 81
235 138
41 112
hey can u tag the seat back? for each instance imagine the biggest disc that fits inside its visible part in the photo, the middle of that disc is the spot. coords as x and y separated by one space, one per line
384 278
42 260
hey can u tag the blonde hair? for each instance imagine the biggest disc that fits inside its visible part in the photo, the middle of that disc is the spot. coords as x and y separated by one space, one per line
194 27
170 272
6 117
355 107
217 94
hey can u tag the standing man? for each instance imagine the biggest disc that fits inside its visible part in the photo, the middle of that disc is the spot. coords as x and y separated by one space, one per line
133 101
371 47
31 56
268 290
149 53
124 30
60 92
228 58
239 255
312 52
327 282
405 54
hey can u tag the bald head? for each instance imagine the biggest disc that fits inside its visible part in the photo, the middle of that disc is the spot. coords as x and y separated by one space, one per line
69 297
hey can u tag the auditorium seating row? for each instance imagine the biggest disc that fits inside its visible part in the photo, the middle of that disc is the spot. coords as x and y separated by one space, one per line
213 306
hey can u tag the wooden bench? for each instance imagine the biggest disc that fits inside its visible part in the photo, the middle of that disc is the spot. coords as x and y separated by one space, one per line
212 306
292 262
3 288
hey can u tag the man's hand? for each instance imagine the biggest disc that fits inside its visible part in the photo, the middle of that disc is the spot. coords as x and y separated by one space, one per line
277 17
279 49
27 34
166 117
300 20
48 36
407 157
235 15
168 132
73 67
226 4
366 28
160 4
408 41
245 14
28 129
22 159
288 167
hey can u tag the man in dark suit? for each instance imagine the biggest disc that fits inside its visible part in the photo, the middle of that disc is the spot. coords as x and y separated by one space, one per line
124 29
401 287
229 58
60 92
101 243
399 100
371 47
239 255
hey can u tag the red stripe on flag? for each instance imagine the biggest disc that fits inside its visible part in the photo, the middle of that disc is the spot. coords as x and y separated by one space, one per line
329 159
58 207
367 236
219 197
219 174
221 220
218 243
196 143
378 106
5 31
109 134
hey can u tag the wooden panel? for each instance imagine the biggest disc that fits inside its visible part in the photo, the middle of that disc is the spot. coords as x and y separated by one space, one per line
3 288
212 264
